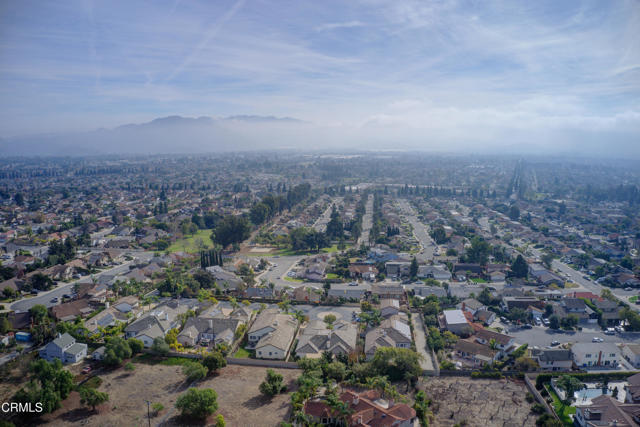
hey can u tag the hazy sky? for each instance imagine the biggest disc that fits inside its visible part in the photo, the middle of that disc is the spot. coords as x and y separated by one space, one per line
418 72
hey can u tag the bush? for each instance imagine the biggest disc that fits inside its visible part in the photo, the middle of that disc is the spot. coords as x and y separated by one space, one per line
198 403
156 408
160 347
529 397
538 409
486 374
214 361
194 371
129 367
135 345
273 384
92 397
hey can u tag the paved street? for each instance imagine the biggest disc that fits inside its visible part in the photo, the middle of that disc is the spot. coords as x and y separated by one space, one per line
420 231
323 220
277 274
45 298
367 222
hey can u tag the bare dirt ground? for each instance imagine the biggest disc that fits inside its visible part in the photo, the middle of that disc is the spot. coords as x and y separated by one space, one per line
239 398
479 402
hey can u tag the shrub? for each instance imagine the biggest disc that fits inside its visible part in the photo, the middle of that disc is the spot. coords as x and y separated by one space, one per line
129 367
273 384
194 371
538 409
198 403
156 408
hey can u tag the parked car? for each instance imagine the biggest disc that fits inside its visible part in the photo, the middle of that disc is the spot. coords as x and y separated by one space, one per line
610 331
555 343
56 299
597 339
527 326
86 370
546 322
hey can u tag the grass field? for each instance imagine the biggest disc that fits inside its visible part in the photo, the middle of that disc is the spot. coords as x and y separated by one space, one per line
633 298
478 280
562 410
293 279
191 244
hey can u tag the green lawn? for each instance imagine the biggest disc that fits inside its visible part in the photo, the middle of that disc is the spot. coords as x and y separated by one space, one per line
332 276
293 279
242 354
190 244
633 298
562 411
478 280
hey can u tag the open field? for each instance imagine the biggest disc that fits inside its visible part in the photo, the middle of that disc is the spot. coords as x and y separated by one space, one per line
239 398
478 402
193 244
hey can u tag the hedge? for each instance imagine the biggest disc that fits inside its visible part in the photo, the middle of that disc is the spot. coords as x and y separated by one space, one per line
583 376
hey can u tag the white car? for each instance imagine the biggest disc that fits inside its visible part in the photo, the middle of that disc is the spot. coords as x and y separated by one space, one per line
597 339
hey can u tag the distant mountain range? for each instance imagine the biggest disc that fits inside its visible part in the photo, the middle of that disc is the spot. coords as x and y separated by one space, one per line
172 134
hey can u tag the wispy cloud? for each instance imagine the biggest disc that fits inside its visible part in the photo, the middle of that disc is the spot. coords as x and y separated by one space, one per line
338 25
425 70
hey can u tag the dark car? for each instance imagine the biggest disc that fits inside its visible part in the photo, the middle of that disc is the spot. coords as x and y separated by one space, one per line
527 326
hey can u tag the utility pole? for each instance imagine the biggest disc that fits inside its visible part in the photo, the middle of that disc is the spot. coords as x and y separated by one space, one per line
148 411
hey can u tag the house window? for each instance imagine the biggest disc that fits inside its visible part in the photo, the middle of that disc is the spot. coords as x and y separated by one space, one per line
612 355
260 353
587 355
269 353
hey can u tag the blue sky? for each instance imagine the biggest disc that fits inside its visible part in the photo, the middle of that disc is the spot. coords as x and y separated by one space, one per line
425 72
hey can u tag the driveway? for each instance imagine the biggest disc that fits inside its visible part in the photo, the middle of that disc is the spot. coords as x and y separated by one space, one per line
421 343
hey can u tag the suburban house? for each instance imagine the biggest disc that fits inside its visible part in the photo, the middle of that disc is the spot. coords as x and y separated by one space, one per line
397 269
271 334
363 271
553 359
389 307
471 305
522 303
388 291
472 353
455 321
70 310
577 307
595 354
467 271
227 281
65 348
159 321
485 317
316 338
631 352
604 410
213 326
352 290
632 389
307 294
504 343
610 311
426 290
392 332
437 272
366 408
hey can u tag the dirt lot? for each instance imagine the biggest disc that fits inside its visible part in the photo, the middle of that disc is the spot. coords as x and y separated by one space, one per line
479 402
239 399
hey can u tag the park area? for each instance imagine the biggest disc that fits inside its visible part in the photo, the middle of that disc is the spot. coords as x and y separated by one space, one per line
239 398
478 402
194 243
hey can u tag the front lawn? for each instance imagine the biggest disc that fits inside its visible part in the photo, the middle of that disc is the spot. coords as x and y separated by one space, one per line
633 298
478 280
293 279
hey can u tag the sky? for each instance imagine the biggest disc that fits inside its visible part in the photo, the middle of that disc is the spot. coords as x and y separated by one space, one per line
473 75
